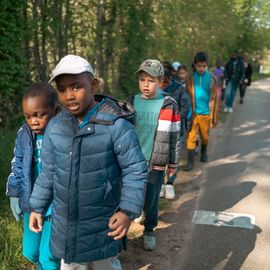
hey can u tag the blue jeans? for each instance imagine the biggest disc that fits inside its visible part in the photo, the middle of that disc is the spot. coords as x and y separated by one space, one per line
36 246
154 184
230 93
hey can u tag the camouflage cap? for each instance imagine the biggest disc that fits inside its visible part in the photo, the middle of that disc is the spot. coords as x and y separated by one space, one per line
153 67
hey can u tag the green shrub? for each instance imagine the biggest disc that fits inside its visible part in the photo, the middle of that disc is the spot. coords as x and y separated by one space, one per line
11 231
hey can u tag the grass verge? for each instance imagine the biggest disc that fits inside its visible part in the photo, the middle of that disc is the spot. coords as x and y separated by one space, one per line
257 76
11 231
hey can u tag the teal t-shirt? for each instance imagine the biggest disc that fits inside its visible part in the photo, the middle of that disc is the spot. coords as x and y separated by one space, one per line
37 159
147 113
90 113
202 92
37 163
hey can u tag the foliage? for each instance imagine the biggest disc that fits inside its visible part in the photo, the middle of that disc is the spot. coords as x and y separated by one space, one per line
11 231
135 43
12 69
116 35
258 76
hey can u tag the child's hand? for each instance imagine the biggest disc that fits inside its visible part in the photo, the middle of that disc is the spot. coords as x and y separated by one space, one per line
171 171
213 123
35 222
119 223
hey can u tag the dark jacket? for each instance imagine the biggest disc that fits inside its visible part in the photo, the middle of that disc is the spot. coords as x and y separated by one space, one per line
236 74
178 92
92 172
248 73
166 148
21 178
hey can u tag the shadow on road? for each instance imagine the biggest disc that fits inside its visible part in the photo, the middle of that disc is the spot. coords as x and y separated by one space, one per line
171 236
223 248
227 196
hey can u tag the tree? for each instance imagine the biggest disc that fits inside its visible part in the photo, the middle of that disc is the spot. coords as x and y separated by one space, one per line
136 23
13 68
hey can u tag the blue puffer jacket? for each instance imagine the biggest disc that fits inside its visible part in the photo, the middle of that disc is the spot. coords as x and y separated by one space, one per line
21 179
92 172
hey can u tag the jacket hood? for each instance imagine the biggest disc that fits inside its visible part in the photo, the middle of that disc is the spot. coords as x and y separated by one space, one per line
108 112
111 109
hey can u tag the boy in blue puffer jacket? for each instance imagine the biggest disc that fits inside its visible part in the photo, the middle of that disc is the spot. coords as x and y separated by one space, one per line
94 168
40 104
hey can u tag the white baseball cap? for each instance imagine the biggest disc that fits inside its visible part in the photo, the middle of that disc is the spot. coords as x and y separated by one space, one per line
71 64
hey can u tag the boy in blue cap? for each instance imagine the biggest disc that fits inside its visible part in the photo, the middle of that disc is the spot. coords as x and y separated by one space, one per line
93 167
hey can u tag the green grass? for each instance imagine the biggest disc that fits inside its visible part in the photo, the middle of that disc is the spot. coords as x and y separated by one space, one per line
11 231
257 76
164 204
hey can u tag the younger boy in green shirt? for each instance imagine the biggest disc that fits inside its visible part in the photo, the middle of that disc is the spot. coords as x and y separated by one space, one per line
158 128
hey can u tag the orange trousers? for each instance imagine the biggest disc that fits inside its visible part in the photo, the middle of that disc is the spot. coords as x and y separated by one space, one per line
200 126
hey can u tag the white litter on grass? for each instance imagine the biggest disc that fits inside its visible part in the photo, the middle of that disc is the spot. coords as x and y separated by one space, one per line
225 219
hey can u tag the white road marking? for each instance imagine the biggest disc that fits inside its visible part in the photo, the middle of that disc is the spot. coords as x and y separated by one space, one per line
225 219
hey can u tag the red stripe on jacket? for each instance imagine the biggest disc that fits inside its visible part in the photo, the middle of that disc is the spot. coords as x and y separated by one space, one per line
168 114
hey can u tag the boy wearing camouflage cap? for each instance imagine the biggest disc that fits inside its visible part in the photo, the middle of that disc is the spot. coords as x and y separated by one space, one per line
158 128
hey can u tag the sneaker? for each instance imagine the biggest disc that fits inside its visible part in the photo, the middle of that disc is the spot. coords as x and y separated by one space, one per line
149 241
226 109
169 192
230 110
241 101
140 219
162 192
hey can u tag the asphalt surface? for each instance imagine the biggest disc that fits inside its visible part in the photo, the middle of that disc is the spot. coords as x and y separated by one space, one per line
236 179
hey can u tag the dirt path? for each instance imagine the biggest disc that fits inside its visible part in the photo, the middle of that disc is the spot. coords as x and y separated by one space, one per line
174 225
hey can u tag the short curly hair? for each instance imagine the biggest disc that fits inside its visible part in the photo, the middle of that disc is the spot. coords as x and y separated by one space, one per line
44 90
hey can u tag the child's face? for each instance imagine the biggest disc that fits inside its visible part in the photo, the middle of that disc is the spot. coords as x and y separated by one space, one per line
149 85
165 82
201 67
37 113
76 93
182 74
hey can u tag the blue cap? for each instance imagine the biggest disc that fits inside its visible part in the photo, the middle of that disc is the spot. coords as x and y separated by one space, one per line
176 65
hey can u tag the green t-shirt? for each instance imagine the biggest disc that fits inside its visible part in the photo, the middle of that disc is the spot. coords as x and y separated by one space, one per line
147 113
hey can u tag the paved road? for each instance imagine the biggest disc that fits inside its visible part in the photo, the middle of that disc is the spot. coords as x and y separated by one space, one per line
237 179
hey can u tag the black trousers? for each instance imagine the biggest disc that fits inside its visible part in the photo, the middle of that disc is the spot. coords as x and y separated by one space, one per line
151 200
242 88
